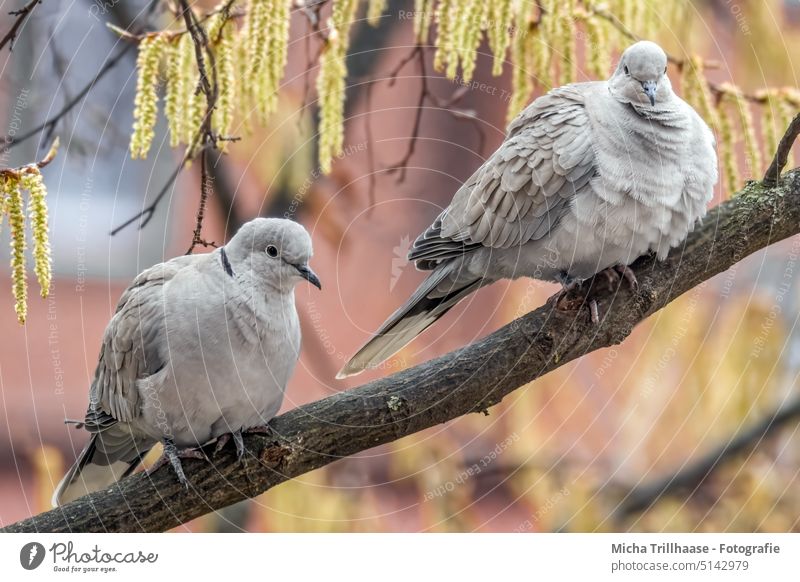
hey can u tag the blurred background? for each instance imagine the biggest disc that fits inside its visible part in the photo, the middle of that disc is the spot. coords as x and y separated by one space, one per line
563 453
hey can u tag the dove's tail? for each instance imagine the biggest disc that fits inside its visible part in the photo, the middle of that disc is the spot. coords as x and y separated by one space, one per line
437 294
109 456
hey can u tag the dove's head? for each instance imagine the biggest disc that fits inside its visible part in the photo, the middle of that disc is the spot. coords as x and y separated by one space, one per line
641 76
276 251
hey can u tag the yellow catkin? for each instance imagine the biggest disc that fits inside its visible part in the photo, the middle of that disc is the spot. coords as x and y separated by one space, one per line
770 121
276 59
632 12
145 109
257 52
375 10
649 18
522 78
539 54
175 100
446 29
704 99
597 46
727 145
16 222
567 42
198 106
475 16
187 72
243 97
676 12
37 213
459 14
267 41
423 15
213 27
748 132
331 83
225 51
551 34
501 19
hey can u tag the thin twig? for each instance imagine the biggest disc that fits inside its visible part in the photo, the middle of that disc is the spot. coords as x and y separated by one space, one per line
694 474
423 94
210 88
426 94
22 15
782 154
172 34
147 213
50 125
204 139
206 188
35 166
370 150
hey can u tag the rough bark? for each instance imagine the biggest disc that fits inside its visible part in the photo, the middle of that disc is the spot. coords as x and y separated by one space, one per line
468 380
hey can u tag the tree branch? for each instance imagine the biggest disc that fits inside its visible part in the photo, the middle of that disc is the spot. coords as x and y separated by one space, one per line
471 379
773 173
22 15
694 474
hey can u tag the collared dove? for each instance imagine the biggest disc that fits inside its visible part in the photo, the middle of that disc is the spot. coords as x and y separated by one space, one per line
199 347
589 177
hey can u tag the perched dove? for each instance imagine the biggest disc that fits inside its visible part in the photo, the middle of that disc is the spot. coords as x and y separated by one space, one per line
589 177
199 347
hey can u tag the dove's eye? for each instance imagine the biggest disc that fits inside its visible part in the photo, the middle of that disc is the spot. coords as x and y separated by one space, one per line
272 251
627 72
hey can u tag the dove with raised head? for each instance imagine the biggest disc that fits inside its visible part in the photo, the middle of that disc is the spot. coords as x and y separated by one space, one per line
590 177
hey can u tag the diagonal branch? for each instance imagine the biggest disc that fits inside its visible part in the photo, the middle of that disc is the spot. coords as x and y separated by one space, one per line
22 15
694 474
468 380
773 173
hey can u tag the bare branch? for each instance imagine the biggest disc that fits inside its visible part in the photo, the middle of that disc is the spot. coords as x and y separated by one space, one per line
694 474
471 379
773 173
49 126
22 15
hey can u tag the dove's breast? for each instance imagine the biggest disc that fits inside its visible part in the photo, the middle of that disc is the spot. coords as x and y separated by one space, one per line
641 198
236 355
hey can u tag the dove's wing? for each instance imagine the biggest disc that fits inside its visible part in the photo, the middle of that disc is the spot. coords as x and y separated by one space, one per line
129 352
131 346
521 192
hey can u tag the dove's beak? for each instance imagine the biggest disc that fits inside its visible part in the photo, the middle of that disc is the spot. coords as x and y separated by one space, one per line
309 275
650 88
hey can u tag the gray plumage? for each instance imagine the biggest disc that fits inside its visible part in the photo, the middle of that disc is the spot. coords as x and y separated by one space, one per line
199 346
590 176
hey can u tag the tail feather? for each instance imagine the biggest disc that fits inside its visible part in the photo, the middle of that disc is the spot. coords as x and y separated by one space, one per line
96 469
426 305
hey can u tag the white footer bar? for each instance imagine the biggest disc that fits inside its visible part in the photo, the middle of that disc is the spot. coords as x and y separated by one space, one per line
390 557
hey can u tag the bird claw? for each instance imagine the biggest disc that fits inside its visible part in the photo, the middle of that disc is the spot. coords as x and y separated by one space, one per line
264 429
173 456
628 274
562 303
618 272
567 286
238 441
